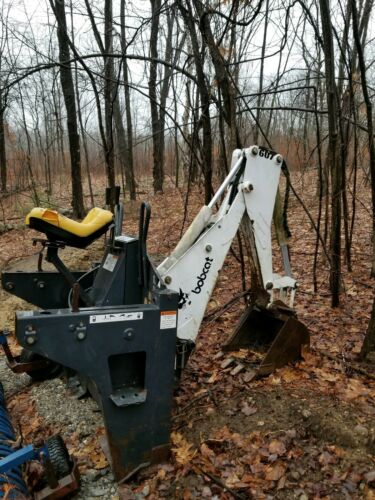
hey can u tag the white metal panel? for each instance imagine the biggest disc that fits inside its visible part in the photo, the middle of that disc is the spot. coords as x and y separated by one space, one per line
195 274
264 174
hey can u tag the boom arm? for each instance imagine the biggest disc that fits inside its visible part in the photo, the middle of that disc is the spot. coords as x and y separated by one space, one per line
193 267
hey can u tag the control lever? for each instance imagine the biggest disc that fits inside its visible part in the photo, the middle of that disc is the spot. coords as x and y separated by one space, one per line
144 221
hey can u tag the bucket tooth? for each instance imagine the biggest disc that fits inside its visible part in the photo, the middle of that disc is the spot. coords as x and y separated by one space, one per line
275 332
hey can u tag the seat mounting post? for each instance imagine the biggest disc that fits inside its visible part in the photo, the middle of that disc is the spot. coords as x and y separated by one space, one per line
52 256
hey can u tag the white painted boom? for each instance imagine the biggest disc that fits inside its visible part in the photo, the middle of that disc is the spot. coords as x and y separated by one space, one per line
193 267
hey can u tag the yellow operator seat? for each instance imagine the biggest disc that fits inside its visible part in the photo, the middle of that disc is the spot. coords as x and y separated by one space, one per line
61 229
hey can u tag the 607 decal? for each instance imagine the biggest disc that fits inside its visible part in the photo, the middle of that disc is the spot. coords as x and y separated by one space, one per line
266 153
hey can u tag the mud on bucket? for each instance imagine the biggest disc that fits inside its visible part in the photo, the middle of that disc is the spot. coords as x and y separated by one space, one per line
274 336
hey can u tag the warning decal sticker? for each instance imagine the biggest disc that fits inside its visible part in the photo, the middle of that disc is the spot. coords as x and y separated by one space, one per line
111 318
110 262
168 319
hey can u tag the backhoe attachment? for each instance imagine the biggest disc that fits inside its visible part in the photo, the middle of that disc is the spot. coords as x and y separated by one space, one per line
245 201
125 327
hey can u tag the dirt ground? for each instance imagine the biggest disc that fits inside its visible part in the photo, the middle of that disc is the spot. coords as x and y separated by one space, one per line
305 432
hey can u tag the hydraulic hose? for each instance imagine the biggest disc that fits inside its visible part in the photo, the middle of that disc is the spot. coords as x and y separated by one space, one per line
13 478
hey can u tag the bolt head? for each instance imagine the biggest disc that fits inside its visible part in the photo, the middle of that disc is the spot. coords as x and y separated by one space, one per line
279 159
81 335
248 187
254 150
208 248
128 334
30 340
168 280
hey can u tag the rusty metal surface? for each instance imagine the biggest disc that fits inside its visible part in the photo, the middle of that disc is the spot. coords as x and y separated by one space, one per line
75 297
18 366
68 485
120 350
274 332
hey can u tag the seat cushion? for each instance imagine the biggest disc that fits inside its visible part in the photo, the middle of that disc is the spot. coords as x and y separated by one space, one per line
57 227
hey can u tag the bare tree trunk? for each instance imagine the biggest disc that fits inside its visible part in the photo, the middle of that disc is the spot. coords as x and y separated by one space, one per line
47 151
3 157
333 152
109 95
261 72
175 137
129 160
224 80
121 143
80 120
204 92
60 154
370 126
369 340
110 90
67 86
158 168
28 154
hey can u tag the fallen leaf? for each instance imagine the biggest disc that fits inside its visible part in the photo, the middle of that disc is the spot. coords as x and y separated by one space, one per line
214 377
247 409
206 451
281 482
232 480
355 389
289 374
369 477
249 375
182 449
257 468
339 452
99 460
7 489
275 380
277 447
275 471
326 458
206 492
369 494
327 376
161 474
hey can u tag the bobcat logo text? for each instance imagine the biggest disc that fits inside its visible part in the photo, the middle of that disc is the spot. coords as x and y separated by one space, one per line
202 277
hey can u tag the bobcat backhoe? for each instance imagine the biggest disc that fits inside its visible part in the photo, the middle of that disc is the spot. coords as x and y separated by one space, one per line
126 326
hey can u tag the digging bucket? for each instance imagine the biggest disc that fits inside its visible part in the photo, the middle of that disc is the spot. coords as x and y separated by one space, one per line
274 333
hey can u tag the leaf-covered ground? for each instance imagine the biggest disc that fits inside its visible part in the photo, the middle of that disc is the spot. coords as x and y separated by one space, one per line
305 432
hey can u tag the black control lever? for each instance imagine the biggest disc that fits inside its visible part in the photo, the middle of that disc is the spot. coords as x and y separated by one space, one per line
112 200
144 221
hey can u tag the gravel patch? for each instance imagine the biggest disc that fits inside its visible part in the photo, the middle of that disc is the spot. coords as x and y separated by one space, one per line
64 411
69 415
12 382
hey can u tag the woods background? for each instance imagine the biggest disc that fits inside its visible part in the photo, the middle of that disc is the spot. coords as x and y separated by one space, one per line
163 92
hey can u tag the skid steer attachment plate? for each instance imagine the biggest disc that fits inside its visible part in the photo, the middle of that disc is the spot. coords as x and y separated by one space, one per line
275 333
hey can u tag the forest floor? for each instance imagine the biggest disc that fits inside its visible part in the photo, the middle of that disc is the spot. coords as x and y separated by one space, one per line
305 432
